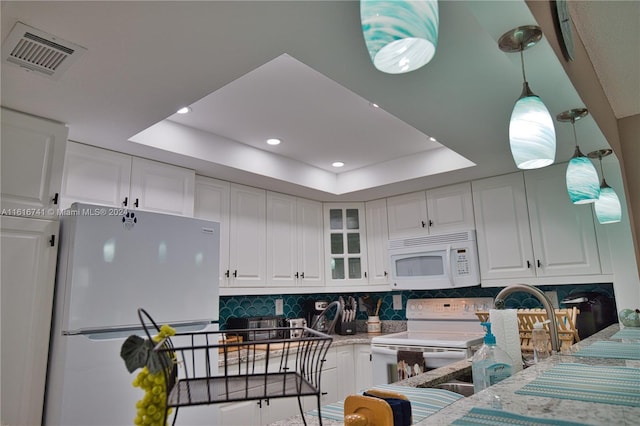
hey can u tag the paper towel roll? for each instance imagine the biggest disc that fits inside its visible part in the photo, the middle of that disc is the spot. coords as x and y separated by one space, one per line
504 325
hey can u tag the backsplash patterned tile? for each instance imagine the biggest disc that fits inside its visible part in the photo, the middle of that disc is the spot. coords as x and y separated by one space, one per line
264 305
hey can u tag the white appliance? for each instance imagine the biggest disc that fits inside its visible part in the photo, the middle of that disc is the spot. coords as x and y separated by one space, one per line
432 262
443 330
111 262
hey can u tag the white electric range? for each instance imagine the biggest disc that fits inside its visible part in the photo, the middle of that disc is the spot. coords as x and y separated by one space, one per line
442 330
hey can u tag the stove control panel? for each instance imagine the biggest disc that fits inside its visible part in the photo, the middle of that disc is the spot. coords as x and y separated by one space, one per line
444 308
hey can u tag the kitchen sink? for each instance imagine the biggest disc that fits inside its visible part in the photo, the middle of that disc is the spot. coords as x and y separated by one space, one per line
462 388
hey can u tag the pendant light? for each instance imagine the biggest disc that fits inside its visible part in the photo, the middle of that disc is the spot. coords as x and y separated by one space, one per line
608 209
532 136
582 178
401 36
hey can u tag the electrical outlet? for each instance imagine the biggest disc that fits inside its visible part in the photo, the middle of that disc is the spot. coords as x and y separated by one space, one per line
279 307
397 302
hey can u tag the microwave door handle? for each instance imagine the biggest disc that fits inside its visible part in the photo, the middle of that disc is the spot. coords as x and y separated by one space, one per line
448 261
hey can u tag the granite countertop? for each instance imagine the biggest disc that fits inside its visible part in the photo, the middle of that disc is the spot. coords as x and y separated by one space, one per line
552 408
534 406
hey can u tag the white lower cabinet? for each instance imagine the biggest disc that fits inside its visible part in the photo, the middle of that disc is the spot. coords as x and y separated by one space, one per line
27 283
363 367
98 176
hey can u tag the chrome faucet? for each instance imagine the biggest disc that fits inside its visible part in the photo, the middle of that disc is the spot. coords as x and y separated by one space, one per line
553 321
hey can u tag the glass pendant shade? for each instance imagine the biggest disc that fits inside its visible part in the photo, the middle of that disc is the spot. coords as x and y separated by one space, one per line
583 183
401 36
532 136
608 209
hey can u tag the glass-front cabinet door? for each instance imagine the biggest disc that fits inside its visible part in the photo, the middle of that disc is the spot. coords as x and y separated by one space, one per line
346 246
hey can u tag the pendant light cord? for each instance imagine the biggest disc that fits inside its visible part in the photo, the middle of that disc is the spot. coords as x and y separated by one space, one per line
575 136
524 77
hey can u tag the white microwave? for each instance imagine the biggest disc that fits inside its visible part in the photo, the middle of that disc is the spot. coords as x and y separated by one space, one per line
432 262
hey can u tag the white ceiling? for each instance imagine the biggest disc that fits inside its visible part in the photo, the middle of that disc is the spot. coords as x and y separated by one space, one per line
300 71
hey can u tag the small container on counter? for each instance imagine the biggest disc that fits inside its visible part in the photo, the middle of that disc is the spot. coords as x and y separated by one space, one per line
374 325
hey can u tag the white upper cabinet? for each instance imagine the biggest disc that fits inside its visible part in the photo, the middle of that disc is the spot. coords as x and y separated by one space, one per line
563 234
502 227
345 243
377 239
528 228
247 237
435 211
211 202
98 176
32 155
294 241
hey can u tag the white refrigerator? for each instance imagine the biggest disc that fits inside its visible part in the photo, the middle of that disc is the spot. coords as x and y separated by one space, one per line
111 262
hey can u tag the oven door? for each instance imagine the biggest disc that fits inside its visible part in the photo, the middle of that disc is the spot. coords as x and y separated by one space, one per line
385 360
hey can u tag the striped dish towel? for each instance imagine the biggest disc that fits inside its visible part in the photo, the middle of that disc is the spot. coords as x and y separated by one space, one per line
631 333
488 417
605 349
590 383
424 402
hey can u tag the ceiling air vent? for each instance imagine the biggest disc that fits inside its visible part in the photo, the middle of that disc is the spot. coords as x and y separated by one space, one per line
35 50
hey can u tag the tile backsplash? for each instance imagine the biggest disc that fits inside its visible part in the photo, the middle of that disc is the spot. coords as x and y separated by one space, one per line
293 304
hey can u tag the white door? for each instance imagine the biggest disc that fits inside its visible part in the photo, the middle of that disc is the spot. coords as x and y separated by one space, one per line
247 235
310 239
377 239
563 234
211 202
95 176
162 187
26 287
450 208
408 215
502 227
282 248
32 156
363 367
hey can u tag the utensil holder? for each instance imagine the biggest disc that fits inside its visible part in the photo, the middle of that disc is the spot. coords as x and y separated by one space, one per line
374 325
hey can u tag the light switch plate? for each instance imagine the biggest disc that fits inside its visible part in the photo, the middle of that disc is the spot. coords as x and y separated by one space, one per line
279 307
397 302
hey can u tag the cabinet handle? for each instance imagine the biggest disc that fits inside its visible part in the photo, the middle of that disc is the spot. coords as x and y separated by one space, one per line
423 223
323 393
297 275
126 201
539 263
226 274
430 223
302 275
365 275
267 401
54 200
235 273
52 240
386 273
260 403
136 203
528 265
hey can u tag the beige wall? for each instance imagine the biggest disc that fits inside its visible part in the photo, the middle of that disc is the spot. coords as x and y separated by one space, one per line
623 135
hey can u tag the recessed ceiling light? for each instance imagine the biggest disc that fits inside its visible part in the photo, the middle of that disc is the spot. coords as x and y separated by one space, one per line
273 141
432 139
337 164
373 104
184 110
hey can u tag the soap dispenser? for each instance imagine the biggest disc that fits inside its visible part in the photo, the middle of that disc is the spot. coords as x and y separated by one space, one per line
490 363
